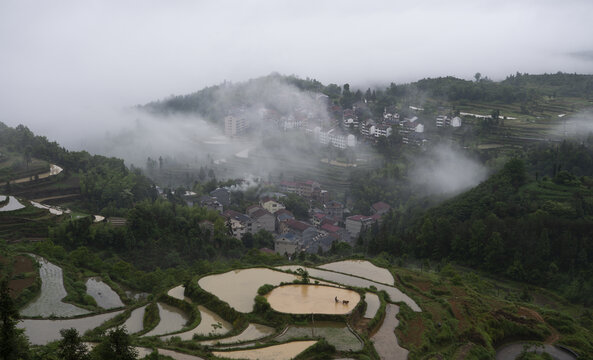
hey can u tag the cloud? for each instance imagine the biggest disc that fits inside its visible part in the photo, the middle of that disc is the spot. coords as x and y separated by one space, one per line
445 170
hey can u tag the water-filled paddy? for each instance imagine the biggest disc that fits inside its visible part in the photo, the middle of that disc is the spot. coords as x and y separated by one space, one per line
210 324
49 301
394 294
373 304
135 323
239 287
337 334
12 205
361 268
41 332
285 351
172 319
178 292
103 294
251 333
385 341
512 351
312 299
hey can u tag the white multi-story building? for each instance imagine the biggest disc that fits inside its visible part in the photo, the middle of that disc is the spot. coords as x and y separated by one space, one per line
340 141
234 126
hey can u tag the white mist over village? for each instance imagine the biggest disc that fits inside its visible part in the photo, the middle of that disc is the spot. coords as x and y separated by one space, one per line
273 180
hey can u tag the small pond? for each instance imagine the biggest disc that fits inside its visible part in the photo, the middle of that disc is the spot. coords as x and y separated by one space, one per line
312 299
103 294
285 351
361 268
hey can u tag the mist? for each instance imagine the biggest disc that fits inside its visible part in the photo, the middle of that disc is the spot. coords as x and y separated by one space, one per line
75 60
446 170
576 126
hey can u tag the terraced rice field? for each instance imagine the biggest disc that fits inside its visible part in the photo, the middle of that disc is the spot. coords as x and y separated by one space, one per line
251 333
337 334
363 269
210 325
285 351
178 293
373 304
49 301
384 339
395 294
172 319
312 299
239 287
41 332
12 205
104 295
135 323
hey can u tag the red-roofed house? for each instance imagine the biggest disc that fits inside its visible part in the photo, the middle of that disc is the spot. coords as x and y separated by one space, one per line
357 223
380 208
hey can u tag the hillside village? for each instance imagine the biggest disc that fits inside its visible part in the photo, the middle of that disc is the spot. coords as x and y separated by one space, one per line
329 222
345 127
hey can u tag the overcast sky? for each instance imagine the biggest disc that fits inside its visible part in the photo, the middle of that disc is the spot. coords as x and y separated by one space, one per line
64 62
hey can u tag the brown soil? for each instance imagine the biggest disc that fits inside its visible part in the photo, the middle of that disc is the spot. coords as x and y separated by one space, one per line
414 334
22 264
422 285
463 351
530 314
457 308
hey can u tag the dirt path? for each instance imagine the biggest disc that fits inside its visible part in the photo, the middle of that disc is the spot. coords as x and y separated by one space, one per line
56 197
385 340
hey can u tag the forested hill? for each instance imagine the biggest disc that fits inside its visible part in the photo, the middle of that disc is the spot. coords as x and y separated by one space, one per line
532 221
214 102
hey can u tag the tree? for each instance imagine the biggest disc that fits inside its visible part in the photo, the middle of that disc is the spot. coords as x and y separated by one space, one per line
27 154
13 344
115 346
477 76
71 346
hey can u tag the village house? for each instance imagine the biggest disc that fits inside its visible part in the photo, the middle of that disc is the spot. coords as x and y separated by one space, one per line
334 209
264 220
355 224
223 196
380 208
211 203
286 244
271 205
240 224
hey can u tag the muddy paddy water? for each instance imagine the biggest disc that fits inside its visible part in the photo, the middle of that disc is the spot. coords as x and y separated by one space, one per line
394 294
105 297
373 304
312 299
172 319
41 332
239 287
178 292
361 268
49 301
210 324
251 333
12 205
285 351
135 323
